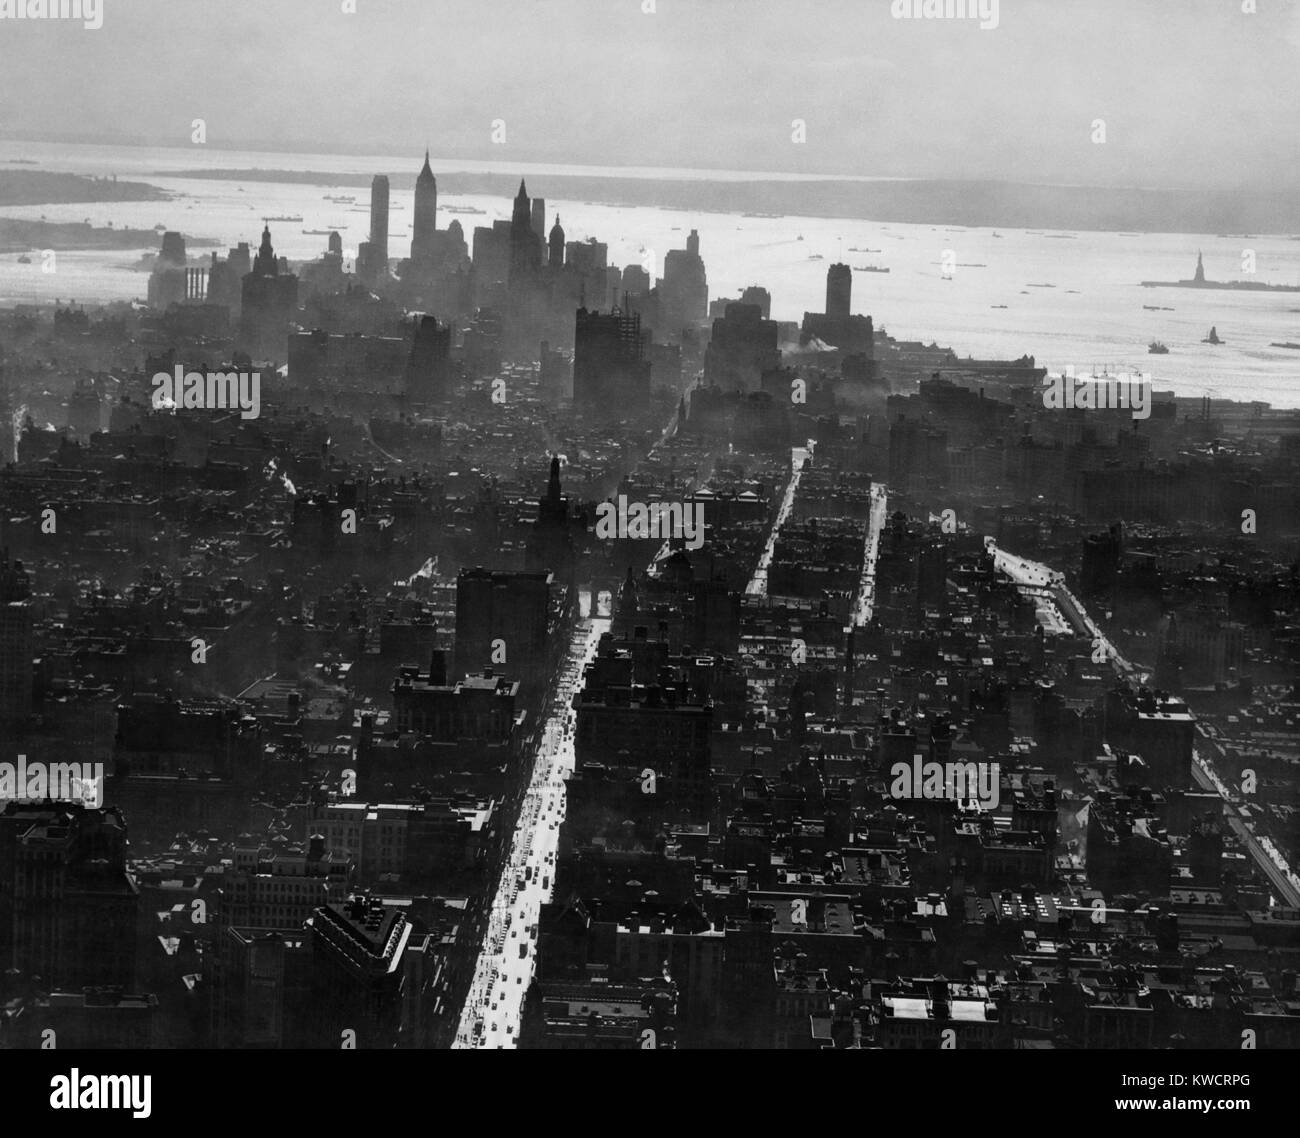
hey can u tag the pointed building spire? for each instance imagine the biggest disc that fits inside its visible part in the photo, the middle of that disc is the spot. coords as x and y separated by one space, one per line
426 171
553 483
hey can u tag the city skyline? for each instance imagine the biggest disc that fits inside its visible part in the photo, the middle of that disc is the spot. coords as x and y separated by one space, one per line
521 602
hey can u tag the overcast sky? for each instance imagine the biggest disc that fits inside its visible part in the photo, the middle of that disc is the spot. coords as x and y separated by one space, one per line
1192 92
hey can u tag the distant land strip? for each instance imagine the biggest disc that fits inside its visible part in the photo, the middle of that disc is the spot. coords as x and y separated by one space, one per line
1011 205
21 234
50 187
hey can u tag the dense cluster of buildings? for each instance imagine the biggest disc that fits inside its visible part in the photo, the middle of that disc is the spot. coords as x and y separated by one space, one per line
312 653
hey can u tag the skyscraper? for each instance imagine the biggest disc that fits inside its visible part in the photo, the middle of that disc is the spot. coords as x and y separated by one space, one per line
501 623
684 290
358 971
539 225
372 256
837 326
839 291
525 245
428 368
65 885
555 258
379 218
551 540
610 366
426 215
268 298
743 346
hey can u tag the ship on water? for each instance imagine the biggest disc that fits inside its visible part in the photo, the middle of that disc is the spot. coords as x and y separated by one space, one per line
1156 348
1199 281
1213 337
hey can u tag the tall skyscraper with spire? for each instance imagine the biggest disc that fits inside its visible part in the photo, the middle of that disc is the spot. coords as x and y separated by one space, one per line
268 298
525 248
423 242
551 542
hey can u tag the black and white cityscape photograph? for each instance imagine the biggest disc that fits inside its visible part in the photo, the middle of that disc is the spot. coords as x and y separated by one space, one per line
677 525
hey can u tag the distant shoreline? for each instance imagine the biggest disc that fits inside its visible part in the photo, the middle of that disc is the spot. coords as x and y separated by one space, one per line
21 234
973 204
53 187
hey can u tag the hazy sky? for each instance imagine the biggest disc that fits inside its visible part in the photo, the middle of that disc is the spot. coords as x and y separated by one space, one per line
1192 92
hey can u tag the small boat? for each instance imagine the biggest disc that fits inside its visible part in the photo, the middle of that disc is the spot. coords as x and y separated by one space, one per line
869 269
1288 344
318 232
816 257
997 234
285 218
1213 337
799 238
24 259
1156 348
997 306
